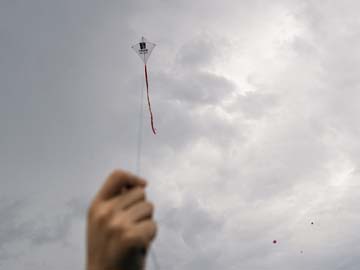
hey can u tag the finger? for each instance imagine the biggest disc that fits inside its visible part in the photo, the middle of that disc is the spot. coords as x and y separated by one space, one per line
147 230
116 182
128 199
140 211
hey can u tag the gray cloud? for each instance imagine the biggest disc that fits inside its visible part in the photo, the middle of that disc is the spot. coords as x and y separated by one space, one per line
197 53
256 106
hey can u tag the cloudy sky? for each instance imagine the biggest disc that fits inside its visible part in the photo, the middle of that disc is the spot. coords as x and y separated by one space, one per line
256 104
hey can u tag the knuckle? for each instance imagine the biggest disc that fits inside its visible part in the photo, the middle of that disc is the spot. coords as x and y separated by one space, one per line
141 193
153 226
118 226
101 214
154 230
150 207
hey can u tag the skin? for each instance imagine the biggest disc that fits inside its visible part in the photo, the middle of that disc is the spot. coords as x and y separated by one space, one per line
120 225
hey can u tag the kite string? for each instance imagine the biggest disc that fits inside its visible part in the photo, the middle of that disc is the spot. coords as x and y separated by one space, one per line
138 157
154 259
140 131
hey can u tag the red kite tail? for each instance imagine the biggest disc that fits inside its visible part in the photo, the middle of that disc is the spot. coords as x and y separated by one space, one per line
148 99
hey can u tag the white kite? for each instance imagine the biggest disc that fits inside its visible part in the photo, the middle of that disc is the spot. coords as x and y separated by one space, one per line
143 49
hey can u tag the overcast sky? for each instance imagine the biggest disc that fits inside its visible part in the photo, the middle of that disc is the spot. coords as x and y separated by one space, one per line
256 104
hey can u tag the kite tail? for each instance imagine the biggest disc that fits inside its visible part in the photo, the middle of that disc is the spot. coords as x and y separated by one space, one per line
148 99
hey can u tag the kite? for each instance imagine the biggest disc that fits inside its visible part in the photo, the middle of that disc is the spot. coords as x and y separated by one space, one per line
143 49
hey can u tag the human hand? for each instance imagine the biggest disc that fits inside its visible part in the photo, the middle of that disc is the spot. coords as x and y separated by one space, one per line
120 226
